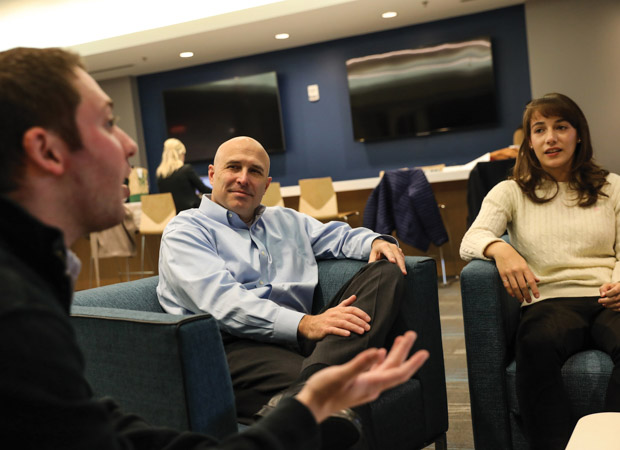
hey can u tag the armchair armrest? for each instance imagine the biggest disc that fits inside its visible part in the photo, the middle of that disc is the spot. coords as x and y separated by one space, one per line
171 370
490 319
420 312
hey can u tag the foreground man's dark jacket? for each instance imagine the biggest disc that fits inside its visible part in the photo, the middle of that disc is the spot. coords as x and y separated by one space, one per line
45 401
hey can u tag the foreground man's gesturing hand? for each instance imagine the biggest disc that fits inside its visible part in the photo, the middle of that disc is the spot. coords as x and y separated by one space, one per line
362 379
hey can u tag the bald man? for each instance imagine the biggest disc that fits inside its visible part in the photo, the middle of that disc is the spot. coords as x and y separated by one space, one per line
254 269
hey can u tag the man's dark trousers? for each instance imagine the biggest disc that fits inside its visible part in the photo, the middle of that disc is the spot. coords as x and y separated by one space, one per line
260 370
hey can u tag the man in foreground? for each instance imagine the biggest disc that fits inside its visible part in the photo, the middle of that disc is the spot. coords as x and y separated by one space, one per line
62 164
254 269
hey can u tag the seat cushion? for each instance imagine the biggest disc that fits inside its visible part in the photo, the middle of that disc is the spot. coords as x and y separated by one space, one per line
585 375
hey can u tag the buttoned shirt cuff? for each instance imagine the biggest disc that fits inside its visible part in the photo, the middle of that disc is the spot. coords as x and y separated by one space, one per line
386 237
285 326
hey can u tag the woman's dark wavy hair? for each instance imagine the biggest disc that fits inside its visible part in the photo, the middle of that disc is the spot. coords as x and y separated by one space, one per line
586 177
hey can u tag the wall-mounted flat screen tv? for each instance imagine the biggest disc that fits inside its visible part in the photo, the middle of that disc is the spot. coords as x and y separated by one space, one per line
205 115
421 91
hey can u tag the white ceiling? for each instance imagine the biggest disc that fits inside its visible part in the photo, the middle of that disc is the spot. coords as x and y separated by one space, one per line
218 37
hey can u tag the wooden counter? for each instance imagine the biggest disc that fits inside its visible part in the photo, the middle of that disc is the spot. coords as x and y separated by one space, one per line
453 194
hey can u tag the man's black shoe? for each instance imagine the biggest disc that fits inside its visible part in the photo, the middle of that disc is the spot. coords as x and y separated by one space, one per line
339 431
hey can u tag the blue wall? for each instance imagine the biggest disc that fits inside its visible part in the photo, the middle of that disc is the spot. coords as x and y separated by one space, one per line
319 136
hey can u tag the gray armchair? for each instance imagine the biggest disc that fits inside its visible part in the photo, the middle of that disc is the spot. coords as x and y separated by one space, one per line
161 367
491 318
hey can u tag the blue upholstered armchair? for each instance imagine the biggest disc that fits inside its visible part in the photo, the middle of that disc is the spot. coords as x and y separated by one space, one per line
172 369
155 364
491 318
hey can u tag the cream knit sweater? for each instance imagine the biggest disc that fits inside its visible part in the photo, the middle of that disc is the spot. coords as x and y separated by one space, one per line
572 250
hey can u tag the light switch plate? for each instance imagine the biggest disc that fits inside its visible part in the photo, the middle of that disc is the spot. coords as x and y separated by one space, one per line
313 92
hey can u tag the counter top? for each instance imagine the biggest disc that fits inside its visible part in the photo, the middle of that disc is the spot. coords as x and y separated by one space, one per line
434 174
449 173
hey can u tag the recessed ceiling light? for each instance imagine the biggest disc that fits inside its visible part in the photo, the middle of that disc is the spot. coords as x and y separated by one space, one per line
186 54
282 36
389 14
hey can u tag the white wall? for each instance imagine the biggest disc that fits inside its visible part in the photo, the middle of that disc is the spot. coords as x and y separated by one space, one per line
574 49
124 93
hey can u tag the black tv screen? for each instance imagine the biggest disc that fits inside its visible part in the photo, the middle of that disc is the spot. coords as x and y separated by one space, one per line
420 91
205 115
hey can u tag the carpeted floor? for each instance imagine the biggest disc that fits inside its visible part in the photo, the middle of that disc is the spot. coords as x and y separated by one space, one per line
460 435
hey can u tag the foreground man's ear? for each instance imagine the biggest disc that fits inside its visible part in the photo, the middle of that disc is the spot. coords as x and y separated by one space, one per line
45 150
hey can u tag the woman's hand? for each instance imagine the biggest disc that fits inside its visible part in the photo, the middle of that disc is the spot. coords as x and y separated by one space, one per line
610 296
516 275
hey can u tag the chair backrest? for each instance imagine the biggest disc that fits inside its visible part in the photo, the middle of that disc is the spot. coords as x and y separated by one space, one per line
157 211
317 197
483 177
273 195
136 295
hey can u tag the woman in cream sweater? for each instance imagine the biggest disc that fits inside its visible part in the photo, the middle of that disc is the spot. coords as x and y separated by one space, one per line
562 212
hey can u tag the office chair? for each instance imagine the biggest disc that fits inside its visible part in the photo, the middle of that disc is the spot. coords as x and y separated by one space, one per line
157 211
317 198
273 195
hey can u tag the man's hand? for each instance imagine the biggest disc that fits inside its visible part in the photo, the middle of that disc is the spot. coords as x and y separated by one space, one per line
341 320
516 275
384 249
610 296
362 379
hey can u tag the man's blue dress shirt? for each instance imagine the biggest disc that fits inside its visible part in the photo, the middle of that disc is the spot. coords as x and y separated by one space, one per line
257 281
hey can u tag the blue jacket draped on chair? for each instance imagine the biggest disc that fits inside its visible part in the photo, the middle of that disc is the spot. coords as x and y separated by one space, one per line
404 201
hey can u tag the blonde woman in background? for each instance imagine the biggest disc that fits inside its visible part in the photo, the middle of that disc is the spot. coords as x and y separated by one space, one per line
178 178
